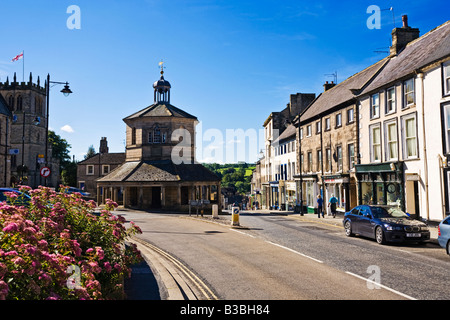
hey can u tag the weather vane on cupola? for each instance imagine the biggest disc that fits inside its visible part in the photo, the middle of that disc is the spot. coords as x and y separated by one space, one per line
161 64
161 88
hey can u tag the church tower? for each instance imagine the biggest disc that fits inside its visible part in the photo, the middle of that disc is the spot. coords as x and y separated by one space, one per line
27 101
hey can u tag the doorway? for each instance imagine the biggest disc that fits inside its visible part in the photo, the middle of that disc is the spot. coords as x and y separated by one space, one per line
156 198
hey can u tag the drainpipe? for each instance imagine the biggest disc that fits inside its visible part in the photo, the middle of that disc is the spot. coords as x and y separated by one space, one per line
420 76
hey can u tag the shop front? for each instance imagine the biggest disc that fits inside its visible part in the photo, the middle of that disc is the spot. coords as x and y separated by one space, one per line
274 199
337 186
381 184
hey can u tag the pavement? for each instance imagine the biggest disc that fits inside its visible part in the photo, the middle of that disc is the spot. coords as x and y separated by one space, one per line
157 278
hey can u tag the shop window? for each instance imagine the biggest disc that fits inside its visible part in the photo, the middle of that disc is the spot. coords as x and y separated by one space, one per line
366 192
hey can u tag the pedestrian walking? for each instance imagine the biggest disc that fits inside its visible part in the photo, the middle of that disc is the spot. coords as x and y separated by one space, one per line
332 203
320 206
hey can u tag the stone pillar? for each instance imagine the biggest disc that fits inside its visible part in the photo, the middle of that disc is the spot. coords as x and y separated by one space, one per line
99 195
141 198
124 197
163 196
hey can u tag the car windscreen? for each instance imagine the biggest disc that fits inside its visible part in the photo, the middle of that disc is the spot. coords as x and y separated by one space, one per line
379 212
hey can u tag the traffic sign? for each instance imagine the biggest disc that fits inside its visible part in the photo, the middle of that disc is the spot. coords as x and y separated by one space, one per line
45 172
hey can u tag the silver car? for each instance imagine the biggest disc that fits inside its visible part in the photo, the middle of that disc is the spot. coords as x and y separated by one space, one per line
444 234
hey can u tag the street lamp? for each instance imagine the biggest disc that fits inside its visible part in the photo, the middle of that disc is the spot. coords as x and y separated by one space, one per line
66 91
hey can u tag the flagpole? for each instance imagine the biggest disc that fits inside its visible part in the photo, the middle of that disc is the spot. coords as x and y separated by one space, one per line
23 65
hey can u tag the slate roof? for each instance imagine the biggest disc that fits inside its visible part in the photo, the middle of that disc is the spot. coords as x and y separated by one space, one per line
106 158
342 92
160 109
159 171
289 132
421 52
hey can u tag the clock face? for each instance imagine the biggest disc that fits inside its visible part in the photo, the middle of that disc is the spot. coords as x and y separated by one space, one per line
391 188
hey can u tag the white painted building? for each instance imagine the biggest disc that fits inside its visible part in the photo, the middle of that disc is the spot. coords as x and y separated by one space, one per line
403 125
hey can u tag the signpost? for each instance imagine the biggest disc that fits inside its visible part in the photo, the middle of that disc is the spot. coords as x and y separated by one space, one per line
45 172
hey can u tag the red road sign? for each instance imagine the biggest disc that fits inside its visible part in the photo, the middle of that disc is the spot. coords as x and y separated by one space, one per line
45 172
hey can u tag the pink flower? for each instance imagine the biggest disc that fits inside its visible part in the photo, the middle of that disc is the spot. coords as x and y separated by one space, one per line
100 253
18 261
107 266
12 227
3 269
3 290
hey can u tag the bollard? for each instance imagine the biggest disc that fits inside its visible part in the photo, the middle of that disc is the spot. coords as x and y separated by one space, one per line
235 216
215 211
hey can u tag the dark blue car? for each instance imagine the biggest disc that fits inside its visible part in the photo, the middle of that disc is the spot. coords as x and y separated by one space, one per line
384 224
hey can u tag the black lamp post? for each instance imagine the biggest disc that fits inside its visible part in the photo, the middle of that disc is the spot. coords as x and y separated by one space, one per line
66 91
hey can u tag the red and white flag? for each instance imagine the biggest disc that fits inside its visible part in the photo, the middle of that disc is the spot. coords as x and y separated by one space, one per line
18 57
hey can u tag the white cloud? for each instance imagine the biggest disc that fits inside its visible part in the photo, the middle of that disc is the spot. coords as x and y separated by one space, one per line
67 128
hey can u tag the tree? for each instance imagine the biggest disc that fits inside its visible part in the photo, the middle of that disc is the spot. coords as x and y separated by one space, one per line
90 153
60 147
60 151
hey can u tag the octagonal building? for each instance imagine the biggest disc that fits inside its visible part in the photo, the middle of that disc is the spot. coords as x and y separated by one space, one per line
160 172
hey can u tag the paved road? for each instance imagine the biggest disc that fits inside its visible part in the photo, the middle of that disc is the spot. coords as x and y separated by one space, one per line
283 258
419 271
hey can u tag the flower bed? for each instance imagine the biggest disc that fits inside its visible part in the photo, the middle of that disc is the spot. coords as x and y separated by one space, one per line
56 248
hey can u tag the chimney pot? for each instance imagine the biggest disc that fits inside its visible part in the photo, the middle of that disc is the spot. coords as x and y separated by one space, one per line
405 21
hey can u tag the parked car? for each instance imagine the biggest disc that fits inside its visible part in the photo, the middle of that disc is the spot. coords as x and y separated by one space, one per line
74 190
444 234
384 224
22 200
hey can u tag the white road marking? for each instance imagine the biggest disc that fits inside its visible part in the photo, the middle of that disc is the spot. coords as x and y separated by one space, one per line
244 233
382 286
291 250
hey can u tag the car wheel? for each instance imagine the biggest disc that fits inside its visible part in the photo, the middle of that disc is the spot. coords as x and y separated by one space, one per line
348 229
448 247
379 236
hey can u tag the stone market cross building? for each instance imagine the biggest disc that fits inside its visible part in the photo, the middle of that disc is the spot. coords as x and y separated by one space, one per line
160 171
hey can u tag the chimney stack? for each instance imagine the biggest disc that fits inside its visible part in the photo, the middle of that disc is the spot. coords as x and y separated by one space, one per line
402 36
328 86
104 145
299 102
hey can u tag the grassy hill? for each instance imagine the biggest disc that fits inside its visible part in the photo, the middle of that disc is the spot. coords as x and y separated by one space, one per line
238 175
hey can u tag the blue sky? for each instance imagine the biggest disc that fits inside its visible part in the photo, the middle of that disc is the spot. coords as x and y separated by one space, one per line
230 63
